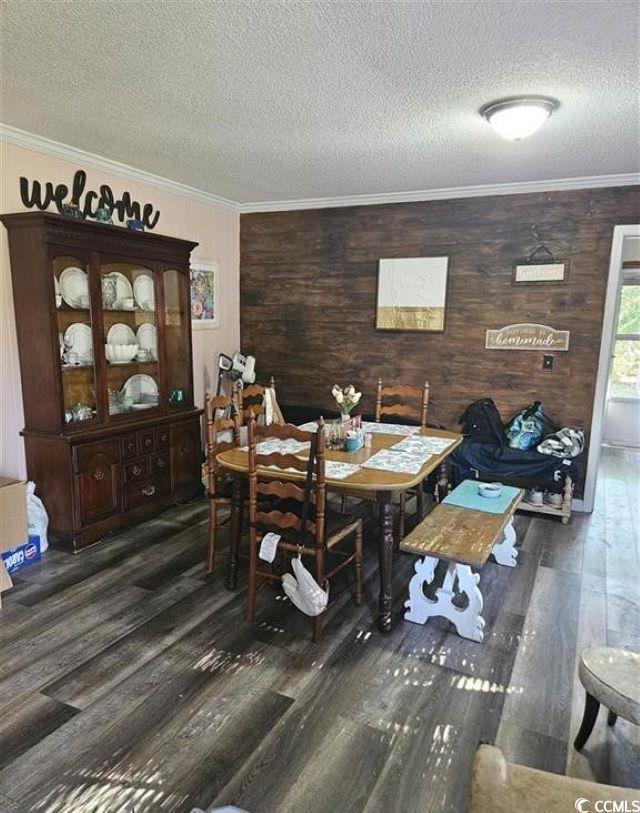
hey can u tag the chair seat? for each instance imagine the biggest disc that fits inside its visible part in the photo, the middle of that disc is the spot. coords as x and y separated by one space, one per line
336 524
612 676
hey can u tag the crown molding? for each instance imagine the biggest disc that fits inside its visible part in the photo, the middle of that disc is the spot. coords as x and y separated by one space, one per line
38 143
482 190
13 135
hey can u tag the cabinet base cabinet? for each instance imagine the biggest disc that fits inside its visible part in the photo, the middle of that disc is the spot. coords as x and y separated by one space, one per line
95 482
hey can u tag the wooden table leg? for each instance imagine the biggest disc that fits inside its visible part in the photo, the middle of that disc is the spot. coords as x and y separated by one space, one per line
385 554
235 533
442 483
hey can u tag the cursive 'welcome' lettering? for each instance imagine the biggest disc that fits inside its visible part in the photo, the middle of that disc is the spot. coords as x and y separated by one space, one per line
124 208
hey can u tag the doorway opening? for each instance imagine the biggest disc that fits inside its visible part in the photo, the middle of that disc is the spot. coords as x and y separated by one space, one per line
616 408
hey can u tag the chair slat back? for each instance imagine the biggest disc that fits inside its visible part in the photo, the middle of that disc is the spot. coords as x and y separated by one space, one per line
252 398
293 509
392 400
216 426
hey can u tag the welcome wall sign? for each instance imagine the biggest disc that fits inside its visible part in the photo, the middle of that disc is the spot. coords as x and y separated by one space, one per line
123 208
527 336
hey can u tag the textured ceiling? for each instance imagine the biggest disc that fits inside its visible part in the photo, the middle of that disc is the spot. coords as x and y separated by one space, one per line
281 100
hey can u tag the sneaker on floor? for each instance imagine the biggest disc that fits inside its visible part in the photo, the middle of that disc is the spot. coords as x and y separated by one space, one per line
552 499
533 497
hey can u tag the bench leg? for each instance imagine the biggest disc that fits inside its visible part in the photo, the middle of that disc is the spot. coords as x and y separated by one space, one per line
504 552
459 579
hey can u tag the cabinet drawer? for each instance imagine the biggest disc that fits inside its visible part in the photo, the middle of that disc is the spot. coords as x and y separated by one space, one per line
147 441
163 437
129 446
84 453
159 464
140 493
136 470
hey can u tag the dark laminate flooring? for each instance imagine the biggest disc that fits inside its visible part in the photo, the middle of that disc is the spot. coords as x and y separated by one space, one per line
131 683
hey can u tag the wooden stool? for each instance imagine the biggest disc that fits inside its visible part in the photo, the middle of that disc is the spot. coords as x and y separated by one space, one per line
465 538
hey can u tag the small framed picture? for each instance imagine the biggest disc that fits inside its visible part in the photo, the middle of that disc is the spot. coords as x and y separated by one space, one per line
204 294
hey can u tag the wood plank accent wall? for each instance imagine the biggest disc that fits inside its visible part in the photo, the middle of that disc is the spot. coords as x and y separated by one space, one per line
308 292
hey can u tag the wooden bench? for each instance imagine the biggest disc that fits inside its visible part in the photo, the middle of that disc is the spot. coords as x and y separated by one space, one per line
465 538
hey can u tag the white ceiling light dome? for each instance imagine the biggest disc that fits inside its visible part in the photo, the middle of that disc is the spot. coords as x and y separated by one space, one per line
518 117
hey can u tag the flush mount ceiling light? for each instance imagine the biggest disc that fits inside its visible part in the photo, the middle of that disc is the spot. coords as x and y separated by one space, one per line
518 117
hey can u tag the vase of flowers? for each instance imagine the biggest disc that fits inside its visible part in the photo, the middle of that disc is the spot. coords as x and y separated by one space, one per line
345 399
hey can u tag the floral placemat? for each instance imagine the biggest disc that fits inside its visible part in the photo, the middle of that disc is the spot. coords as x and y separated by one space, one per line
389 428
335 470
272 445
389 460
422 444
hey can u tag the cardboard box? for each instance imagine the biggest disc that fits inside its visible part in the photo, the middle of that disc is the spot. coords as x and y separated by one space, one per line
13 513
5 579
22 555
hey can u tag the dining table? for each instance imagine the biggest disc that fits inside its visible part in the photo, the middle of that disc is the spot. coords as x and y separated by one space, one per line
372 484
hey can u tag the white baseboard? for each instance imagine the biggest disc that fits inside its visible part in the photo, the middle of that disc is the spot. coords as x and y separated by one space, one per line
578 505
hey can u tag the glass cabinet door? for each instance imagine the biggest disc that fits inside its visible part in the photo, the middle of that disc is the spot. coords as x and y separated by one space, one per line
129 313
75 337
177 339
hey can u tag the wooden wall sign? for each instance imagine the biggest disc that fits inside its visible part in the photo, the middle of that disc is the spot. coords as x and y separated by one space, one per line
533 273
540 267
527 337
124 208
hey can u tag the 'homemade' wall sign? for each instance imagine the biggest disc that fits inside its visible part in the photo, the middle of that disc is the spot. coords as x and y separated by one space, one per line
124 208
527 337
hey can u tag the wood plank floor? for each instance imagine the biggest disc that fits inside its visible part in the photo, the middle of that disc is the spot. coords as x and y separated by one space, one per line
131 683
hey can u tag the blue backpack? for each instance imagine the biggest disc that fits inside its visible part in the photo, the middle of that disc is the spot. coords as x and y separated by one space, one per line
529 427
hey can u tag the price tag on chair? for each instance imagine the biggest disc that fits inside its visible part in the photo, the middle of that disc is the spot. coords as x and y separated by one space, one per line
268 547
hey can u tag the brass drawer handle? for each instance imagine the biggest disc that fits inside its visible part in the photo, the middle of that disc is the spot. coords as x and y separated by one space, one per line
163 438
137 470
149 491
161 464
98 474
148 441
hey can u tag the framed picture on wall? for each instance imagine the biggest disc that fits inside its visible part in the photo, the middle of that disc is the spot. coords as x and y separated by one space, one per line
205 311
412 294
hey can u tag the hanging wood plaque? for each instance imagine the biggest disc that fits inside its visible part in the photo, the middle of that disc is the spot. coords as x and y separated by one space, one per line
527 336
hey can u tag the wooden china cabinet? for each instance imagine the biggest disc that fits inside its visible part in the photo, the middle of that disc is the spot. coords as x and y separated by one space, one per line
104 336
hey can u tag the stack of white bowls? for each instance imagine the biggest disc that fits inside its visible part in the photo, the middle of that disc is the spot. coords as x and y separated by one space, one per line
121 353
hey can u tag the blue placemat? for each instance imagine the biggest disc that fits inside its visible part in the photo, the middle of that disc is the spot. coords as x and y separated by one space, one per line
466 496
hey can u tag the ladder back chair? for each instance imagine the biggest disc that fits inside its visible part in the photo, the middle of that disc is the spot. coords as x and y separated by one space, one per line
297 511
392 401
222 432
404 401
251 399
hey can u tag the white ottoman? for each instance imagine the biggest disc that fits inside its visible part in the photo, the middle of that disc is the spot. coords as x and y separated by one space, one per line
611 677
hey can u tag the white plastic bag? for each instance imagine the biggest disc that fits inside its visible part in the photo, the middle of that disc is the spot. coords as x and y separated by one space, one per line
304 591
37 517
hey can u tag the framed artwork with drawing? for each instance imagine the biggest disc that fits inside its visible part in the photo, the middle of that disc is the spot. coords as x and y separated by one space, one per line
204 294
